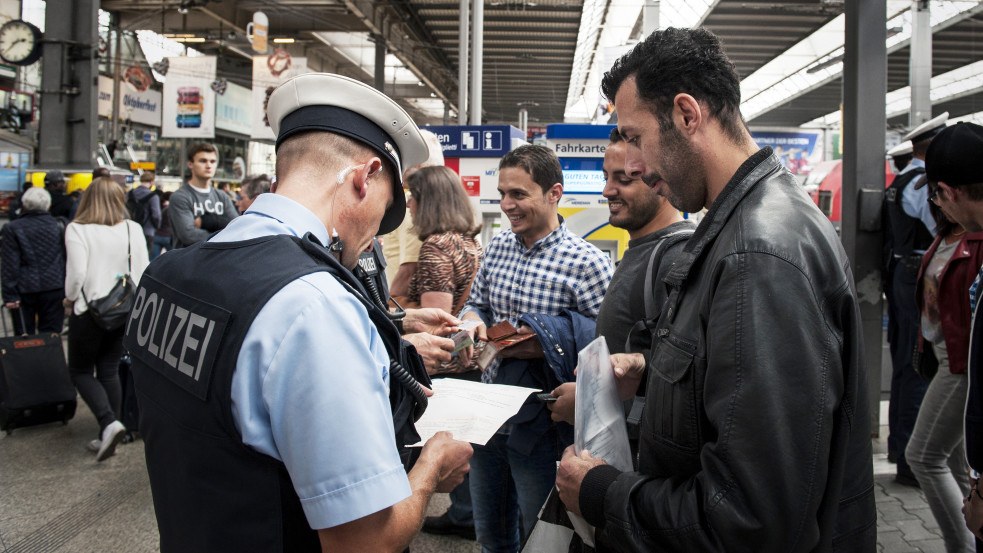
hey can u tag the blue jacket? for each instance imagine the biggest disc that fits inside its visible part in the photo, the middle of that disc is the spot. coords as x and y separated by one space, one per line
561 337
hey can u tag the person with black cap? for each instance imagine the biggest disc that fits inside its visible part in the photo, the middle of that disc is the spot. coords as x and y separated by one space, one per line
910 229
62 204
276 398
955 183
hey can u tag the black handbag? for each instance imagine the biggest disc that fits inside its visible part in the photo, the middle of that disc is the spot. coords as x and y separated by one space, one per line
923 360
110 311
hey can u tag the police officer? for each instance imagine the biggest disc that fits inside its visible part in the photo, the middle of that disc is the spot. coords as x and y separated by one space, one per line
910 230
275 416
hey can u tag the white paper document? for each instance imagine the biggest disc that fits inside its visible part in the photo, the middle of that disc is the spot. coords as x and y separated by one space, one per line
472 411
599 416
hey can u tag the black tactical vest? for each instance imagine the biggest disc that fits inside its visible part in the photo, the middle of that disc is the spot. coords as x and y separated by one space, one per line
194 306
908 234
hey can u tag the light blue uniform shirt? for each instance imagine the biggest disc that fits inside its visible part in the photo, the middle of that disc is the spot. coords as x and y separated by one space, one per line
311 386
915 202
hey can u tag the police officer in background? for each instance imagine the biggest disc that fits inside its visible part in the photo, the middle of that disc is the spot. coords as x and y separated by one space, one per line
910 230
275 397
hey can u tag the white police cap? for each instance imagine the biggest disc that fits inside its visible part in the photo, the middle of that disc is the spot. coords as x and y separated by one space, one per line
341 105
928 129
900 150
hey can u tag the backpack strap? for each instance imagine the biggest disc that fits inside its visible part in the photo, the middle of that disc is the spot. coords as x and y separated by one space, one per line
651 309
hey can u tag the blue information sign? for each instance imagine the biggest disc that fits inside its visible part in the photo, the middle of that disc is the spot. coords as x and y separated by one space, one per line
476 140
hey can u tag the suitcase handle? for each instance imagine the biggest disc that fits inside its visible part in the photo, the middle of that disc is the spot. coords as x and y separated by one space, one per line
23 326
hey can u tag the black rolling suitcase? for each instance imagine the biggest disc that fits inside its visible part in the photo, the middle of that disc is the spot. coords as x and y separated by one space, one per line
35 387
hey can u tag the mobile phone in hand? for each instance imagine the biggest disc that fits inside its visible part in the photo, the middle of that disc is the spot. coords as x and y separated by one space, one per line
546 396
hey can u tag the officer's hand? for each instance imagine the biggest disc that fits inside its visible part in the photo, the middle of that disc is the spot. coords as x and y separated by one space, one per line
570 476
12 305
434 350
563 408
629 369
431 320
450 457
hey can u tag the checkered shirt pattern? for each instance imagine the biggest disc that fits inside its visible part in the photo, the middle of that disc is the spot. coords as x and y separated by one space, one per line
973 289
561 271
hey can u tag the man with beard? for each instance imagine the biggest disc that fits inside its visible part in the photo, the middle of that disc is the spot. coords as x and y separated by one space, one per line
657 234
755 433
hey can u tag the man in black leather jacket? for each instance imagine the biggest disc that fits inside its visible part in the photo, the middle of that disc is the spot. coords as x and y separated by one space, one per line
755 435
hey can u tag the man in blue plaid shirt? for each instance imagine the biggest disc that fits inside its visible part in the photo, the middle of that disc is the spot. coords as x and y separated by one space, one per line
537 267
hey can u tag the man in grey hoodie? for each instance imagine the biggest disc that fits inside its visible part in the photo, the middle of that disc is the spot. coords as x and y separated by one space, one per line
197 209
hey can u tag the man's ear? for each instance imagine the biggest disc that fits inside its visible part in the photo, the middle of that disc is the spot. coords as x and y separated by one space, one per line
554 193
687 113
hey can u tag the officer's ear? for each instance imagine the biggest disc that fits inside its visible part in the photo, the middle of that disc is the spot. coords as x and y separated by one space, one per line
365 173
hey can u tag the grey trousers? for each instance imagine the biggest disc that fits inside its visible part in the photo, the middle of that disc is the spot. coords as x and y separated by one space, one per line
937 455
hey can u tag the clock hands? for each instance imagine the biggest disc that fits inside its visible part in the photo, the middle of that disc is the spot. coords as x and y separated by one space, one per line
12 44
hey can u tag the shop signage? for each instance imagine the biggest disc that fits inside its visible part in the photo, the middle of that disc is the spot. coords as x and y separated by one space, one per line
140 106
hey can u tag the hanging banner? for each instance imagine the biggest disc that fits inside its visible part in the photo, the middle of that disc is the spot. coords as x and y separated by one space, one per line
232 111
189 101
268 72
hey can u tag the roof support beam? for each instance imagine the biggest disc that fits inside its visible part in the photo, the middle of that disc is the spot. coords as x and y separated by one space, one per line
397 41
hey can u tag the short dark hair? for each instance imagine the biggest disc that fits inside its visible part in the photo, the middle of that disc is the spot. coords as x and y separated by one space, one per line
101 172
616 136
199 148
674 61
539 161
254 186
442 205
973 191
148 176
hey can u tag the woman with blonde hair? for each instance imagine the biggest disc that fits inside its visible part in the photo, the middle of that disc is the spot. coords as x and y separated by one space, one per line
102 244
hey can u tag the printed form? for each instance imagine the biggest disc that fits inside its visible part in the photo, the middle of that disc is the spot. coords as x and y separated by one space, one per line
472 411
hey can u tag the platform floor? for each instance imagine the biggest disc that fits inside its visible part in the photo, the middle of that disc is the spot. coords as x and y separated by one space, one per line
54 498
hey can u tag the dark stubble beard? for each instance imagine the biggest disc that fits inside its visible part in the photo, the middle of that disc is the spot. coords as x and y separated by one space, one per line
682 168
640 213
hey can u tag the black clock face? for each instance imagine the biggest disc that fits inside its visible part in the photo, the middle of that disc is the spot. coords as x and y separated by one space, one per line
20 42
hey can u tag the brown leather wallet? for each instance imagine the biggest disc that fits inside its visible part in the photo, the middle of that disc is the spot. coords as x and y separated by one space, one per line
500 336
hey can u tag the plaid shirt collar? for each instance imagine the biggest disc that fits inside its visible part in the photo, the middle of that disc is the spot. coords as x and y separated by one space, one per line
548 241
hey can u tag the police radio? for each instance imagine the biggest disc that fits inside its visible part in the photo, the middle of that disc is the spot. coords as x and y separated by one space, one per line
374 281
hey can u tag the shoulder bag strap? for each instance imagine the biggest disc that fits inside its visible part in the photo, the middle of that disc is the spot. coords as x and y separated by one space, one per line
129 256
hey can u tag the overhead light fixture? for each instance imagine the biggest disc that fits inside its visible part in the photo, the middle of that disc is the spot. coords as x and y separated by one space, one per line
189 39
283 41
824 64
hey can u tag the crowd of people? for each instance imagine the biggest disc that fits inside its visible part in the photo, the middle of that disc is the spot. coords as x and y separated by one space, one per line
283 348
60 251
